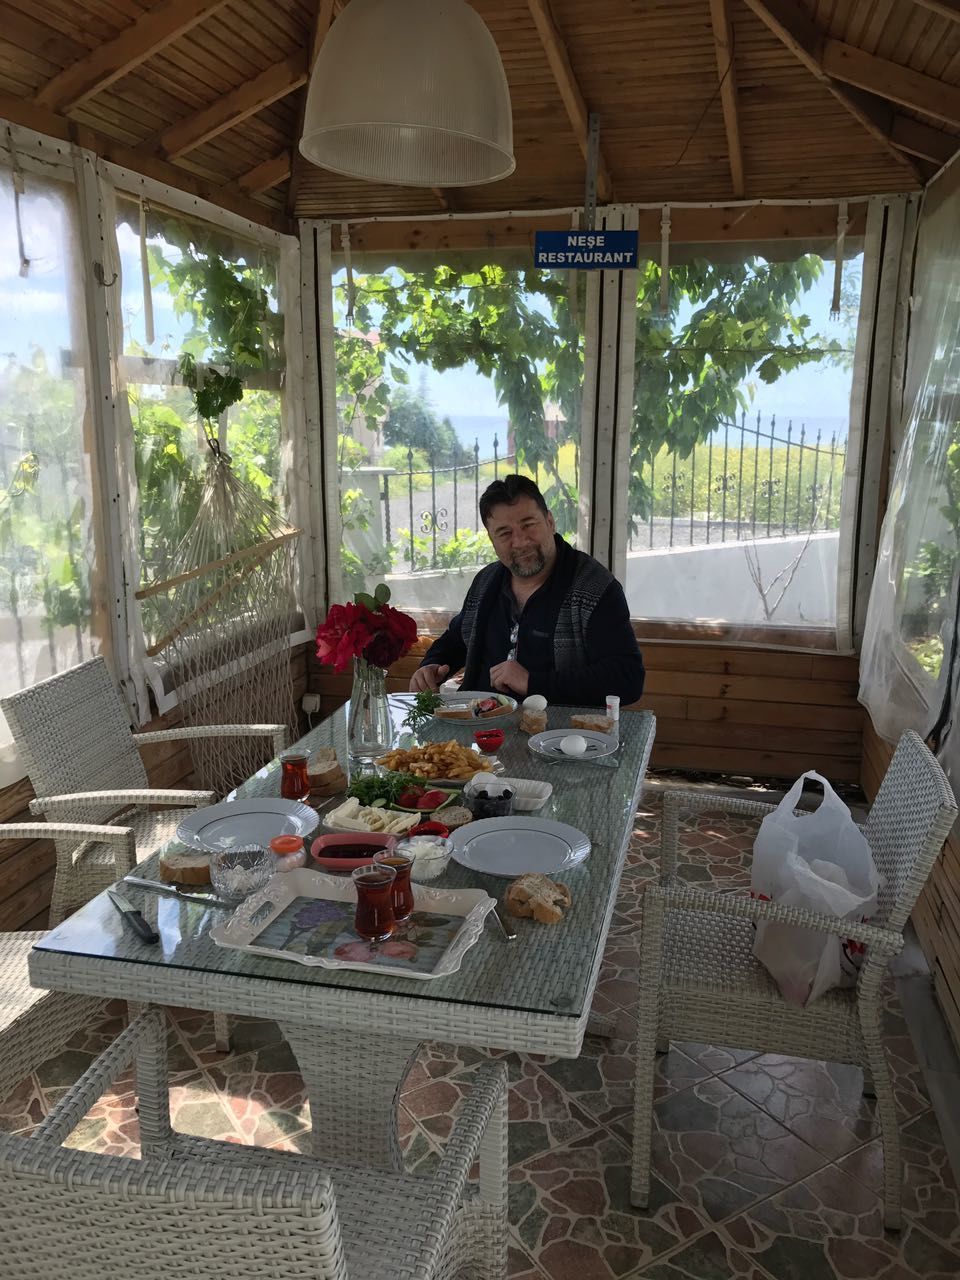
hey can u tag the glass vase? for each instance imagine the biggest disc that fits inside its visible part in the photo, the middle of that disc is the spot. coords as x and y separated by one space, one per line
369 727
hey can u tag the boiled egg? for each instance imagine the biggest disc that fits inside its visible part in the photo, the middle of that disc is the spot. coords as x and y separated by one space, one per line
536 702
573 745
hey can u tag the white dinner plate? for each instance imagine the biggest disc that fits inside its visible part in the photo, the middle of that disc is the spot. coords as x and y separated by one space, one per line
512 846
548 743
234 823
470 695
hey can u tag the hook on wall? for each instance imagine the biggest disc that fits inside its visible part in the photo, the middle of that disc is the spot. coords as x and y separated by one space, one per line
100 277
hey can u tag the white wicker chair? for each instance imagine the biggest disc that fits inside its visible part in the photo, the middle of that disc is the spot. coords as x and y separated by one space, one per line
197 1208
83 761
36 1024
700 981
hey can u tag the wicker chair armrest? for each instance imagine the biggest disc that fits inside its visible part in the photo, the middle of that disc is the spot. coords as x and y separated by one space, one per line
688 898
480 1129
57 804
148 1027
122 837
278 732
697 802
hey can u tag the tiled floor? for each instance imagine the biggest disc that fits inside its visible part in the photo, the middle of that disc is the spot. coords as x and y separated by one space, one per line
766 1168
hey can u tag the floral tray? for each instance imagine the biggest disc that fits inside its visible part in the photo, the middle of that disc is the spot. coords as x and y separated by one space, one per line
307 916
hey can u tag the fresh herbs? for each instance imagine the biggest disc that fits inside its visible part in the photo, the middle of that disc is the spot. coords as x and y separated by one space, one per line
424 705
386 787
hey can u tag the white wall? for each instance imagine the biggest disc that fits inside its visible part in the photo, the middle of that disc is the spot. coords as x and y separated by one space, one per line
689 583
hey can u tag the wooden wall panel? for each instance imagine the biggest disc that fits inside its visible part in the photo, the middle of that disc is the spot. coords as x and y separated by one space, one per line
936 916
722 709
26 867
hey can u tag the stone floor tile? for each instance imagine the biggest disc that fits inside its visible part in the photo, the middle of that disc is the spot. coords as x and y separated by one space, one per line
821 1102
520 1266
711 1256
830 1227
720 1152
111 1127
571 1209
264 1093
715 1058
199 1108
24 1107
437 1061
930 1192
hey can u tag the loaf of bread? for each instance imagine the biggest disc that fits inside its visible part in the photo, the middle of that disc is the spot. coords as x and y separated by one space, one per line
593 720
533 722
537 897
325 774
185 868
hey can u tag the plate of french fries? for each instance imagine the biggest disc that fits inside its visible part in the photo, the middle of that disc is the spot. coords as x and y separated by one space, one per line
441 762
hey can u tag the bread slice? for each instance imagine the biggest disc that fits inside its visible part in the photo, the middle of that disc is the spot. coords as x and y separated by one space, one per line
537 897
453 713
533 722
502 710
185 868
596 721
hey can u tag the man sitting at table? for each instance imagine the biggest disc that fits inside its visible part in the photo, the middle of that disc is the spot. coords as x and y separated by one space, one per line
545 618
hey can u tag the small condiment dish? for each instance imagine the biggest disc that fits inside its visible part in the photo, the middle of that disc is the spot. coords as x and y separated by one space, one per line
326 857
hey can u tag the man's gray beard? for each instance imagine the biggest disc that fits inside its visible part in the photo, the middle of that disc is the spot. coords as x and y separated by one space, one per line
522 569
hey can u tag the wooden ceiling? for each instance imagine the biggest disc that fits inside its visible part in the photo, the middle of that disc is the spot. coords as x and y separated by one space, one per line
707 100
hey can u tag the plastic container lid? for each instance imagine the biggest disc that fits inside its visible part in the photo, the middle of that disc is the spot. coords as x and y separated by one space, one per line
286 844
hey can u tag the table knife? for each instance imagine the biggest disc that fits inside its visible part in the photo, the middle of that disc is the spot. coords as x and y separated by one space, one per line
175 890
132 917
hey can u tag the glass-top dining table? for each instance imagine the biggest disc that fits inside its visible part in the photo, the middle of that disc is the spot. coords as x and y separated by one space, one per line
354 1032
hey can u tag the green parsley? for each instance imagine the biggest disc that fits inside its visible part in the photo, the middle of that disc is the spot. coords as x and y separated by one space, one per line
424 705
368 788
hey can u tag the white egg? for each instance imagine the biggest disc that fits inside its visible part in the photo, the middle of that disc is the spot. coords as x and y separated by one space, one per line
536 702
573 745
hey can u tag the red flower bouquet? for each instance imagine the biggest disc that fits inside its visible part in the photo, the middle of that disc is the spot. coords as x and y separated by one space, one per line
369 629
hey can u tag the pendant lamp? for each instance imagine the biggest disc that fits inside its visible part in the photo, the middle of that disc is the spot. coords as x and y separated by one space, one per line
411 92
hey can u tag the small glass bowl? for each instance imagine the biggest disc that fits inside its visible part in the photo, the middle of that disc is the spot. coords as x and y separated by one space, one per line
236 873
427 865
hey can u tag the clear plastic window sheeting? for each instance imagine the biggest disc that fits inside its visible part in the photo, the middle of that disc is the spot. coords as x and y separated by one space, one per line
49 587
909 672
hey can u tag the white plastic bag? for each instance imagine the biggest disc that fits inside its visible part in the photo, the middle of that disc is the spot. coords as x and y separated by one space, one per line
819 861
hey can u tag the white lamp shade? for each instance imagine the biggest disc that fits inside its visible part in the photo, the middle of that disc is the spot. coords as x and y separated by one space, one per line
410 92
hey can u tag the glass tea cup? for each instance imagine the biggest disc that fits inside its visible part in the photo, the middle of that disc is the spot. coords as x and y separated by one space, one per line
294 780
236 873
402 896
374 921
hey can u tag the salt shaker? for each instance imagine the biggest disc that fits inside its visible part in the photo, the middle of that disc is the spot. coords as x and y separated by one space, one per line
290 853
613 714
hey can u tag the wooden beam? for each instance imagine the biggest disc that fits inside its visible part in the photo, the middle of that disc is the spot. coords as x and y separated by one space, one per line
577 111
945 8
892 81
923 140
794 28
234 107
269 173
115 58
321 26
227 196
752 223
723 43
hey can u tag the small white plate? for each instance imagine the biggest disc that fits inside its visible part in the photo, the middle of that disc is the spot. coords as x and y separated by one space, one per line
234 823
512 846
548 744
471 695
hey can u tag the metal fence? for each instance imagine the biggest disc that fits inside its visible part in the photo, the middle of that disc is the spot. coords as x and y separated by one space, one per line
749 480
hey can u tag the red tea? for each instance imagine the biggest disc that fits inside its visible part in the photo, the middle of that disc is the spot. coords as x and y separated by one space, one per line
402 888
294 782
374 919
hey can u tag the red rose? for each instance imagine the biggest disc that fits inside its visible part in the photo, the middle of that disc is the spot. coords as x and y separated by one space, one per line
395 634
344 635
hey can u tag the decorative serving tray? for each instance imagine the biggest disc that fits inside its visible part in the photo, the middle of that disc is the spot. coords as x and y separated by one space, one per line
307 916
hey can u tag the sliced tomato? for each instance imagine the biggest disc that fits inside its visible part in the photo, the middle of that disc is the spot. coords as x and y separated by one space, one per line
431 799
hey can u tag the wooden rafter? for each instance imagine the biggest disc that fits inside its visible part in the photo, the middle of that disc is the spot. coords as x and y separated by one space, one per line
793 26
923 140
945 8
723 43
892 81
226 195
325 15
115 58
577 111
267 174
234 107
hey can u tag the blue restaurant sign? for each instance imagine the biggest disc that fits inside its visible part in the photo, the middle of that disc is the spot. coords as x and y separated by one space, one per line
586 250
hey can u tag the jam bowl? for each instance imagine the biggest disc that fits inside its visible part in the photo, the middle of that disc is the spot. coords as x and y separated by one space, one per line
346 850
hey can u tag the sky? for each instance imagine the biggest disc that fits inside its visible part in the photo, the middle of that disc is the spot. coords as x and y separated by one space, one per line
35 309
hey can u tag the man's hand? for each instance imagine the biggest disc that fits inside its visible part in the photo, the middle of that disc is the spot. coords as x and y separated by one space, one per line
510 677
429 677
